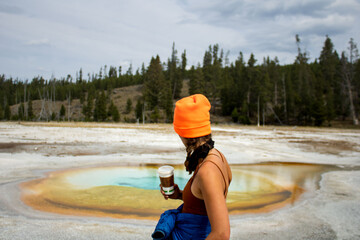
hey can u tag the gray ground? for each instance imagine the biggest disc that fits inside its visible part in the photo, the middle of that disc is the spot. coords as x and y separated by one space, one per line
27 151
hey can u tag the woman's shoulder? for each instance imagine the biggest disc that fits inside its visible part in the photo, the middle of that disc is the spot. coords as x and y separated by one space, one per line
216 157
209 171
215 164
215 151
214 161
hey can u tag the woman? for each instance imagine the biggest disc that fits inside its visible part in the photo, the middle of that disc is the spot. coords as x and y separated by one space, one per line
205 193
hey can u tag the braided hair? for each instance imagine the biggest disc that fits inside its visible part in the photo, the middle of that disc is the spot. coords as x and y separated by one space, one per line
197 149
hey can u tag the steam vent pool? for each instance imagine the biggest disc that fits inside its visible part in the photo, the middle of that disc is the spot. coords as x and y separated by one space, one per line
133 191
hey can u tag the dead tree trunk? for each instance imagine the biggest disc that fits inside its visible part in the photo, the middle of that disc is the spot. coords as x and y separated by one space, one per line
284 90
248 103
54 98
258 111
25 108
350 95
43 111
272 110
275 94
348 75
16 102
50 107
143 115
263 114
69 106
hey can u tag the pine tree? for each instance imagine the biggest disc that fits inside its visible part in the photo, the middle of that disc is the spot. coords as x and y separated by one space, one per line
21 112
154 81
155 115
235 115
100 113
239 75
88 108
251 85
318 112
329 61
139 110
216 79
7 112
244 117
197 81
112 72
183 65
62 112
207 71
30 110
128 106
1 113
228 93
114 112
357 85
174 74
166 101
304 92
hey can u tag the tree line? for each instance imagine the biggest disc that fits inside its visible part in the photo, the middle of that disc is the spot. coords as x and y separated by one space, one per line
246 91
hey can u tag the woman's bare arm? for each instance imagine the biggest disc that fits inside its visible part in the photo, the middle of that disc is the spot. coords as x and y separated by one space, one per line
211 185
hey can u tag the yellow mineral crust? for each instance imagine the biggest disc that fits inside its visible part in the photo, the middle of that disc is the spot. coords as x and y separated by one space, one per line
56 194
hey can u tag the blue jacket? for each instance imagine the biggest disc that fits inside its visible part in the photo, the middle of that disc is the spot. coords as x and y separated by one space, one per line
175 225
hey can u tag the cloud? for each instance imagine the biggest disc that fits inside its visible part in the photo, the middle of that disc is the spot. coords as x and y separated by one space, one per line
270 26
275 8
38 42
63 36
10 9
331 25
345 7
260 14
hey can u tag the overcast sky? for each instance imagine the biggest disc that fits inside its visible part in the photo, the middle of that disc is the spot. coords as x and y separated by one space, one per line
44 37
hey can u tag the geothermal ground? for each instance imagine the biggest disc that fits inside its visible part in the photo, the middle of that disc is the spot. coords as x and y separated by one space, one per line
327 209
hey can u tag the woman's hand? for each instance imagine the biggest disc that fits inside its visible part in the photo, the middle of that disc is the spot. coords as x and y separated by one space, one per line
176 195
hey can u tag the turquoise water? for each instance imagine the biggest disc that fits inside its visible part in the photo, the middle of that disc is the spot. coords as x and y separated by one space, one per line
137 177
147 178
149 183
246 178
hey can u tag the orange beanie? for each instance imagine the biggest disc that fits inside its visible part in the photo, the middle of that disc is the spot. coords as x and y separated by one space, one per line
192 117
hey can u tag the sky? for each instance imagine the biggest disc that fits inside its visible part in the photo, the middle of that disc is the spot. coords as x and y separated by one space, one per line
56 38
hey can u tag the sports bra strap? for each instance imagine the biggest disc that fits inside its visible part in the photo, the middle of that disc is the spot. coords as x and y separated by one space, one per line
217 158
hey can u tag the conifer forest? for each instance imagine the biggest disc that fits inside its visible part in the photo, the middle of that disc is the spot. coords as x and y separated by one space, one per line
247 91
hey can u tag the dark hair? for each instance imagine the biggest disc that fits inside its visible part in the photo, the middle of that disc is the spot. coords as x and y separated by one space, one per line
197 149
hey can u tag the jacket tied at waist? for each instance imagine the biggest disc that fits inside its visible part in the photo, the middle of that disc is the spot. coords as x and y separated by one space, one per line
174 224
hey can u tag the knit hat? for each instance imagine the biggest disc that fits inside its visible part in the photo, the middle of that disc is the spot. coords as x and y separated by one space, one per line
192 117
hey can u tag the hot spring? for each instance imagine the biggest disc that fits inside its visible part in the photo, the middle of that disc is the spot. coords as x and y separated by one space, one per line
133 191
